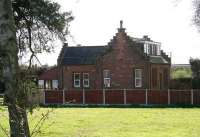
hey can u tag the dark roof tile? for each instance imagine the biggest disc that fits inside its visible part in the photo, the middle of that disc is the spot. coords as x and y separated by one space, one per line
158 60
81 55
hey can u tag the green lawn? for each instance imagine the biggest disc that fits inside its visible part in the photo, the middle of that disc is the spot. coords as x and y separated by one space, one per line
117 122
181 73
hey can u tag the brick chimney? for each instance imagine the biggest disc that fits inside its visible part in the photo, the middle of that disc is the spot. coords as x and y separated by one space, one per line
145 37
65 44
121 29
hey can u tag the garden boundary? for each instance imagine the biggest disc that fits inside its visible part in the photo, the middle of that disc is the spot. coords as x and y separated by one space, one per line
123 96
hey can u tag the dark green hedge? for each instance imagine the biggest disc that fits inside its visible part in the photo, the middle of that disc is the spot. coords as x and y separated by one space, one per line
181 83
2 87
185 83
196 83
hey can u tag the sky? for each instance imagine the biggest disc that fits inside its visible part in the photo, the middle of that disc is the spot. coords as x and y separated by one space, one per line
165 21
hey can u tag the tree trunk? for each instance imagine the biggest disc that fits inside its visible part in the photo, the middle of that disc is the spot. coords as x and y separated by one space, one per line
8 55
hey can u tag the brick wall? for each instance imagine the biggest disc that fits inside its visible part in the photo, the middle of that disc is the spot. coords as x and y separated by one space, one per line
68 75
121 59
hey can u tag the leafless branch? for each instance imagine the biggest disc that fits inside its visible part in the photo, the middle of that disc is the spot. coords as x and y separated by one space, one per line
4 130
40 123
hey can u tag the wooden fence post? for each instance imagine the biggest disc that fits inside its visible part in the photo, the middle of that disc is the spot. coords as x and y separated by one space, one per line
44 97
192 97
124 96
146 96
104 98
83 96
168 97
63 96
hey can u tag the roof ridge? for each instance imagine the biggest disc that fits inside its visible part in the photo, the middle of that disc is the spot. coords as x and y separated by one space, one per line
85 46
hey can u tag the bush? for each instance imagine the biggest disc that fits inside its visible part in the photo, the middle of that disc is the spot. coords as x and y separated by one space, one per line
196 83
2 87
181 83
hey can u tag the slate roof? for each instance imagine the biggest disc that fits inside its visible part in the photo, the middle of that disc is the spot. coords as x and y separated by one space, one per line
83 55
158 60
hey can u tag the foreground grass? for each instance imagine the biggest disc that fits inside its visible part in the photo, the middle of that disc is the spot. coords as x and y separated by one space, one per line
117 122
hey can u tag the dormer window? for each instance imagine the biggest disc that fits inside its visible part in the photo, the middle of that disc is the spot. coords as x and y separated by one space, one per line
158 50
151 48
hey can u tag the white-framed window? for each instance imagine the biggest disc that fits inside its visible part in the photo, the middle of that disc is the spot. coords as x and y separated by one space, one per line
152 48
138 77
86 80
77 80
41 83
55 84
145 48
148 49
158 50
106 76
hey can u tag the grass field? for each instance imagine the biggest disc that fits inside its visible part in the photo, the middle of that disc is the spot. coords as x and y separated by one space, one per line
181 73
116 122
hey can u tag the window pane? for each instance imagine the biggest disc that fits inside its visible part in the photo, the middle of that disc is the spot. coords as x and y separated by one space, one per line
158 49
77 83
106 73
86 83
77 76
148 48
85 79
145 48
153 49
138 77
48 84
77 80
106 82
138 73
55 84
41 83
138 83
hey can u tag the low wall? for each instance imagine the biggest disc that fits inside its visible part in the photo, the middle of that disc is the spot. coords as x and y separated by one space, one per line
123 96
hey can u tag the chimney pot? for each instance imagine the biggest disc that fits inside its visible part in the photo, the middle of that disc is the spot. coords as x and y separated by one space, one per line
66 44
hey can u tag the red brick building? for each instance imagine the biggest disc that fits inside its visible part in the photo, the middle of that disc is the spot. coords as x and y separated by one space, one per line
48 79
125 62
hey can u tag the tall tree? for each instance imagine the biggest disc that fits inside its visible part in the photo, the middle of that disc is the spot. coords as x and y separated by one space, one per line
37 23
195 67
8 48
196 17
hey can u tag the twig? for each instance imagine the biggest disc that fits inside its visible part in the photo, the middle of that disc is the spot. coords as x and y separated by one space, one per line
38 126
4 130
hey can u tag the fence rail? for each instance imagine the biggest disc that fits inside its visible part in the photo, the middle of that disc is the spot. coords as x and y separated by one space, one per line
123 96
